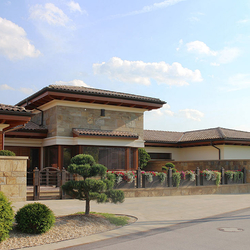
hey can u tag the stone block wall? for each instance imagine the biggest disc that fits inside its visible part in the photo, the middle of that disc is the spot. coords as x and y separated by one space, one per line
202 165
13 171
61 119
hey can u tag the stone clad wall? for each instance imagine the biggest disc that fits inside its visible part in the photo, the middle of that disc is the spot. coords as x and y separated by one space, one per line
202 165
61 119
13 177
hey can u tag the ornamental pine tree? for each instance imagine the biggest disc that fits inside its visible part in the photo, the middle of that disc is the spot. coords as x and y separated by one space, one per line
91 188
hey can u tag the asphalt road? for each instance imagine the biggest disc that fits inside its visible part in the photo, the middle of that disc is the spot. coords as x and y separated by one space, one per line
228 231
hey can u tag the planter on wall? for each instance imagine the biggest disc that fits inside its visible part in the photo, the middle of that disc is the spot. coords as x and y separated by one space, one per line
205 182
187 183
155 183
124 185
227 181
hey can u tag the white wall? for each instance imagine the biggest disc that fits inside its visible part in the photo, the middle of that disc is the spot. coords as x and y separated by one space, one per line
236 152
191 153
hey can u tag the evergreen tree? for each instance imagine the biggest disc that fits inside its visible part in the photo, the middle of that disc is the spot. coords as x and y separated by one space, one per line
91 188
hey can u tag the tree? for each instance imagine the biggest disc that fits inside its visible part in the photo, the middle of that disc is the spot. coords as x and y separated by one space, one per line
143 158
91 188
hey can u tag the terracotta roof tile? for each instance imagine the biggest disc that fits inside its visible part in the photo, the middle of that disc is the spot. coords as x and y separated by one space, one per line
90 132
107 93
16 109
31 126
198 135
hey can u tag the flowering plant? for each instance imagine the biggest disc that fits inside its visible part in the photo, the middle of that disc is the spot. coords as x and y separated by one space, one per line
212 175
234 175
129 177
150 174
191 175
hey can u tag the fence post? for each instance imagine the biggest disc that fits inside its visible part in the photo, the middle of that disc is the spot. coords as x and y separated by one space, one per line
36 184
58 179
63 180
170 177
138 180
197 176
222 176
244 175
47 176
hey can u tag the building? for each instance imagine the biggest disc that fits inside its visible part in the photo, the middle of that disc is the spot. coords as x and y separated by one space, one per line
68 120
207 144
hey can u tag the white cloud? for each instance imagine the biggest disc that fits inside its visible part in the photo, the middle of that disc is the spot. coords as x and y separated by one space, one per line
152 7
27 91
73 6
227 55
142 73
73 83
180 45
6 87
223 56
192 114
14 43
244 21
200 48
164 110
49 13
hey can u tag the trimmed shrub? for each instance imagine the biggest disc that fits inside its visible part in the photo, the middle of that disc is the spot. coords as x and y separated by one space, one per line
6 217
34 218
7 153
169 165
144 157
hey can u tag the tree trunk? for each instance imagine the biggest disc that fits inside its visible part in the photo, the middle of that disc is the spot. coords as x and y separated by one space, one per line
87 208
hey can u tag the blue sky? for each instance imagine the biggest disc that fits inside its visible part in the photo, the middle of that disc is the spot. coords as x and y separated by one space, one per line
192 54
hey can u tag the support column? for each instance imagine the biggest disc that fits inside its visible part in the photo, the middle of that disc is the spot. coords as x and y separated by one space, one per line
136 159
41 158
1 140
127 157
2 127
59 155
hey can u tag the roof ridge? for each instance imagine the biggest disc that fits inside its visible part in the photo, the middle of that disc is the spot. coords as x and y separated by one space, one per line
221 133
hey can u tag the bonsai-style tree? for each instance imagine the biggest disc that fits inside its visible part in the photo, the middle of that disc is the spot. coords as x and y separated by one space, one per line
100 189
143 157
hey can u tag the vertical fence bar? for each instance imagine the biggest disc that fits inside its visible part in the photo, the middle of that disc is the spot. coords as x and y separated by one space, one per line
170 180
36 184
244 175
197 176
63 180
222 176
138 180
47 176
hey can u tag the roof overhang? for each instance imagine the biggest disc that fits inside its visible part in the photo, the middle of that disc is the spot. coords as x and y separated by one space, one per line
14 119
47 94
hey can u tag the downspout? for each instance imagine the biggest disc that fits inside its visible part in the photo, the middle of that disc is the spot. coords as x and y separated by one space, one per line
218 149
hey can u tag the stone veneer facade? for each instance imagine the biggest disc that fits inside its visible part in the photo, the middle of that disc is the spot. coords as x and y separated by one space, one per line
60 120
13 177
202 165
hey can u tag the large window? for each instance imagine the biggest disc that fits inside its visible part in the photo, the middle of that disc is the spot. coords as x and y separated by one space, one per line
51 156
160 156
111 157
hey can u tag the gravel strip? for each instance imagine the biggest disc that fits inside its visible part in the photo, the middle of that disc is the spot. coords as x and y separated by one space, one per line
65 228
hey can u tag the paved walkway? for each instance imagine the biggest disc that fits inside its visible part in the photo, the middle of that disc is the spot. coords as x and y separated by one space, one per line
152 212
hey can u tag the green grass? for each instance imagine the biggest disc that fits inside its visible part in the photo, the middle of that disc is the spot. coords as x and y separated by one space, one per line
112 218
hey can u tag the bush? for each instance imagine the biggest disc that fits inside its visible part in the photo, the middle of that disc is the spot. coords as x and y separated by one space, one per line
144 157
35 218
169 165
7 153
6 217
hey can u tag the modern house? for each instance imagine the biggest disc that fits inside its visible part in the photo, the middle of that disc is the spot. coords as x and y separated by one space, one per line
62 121
68 120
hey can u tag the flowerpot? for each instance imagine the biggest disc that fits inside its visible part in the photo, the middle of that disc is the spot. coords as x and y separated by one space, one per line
124 185
205 182
187 183
228 182
155 183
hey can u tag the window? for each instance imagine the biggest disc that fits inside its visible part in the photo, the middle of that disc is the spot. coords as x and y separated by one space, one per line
160 156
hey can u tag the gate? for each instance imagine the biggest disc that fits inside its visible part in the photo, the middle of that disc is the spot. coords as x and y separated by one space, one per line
47 183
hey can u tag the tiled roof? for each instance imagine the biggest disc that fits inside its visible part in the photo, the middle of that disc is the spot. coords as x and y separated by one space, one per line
162 136
14 109
106 93
90 132
198 135
31 126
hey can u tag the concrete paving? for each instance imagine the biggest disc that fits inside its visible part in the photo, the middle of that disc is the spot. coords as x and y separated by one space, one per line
152 213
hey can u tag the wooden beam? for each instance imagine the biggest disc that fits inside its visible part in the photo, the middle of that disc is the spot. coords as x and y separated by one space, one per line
127 157
136 159
59 155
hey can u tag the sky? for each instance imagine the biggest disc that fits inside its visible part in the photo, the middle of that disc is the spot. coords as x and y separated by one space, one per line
192 54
